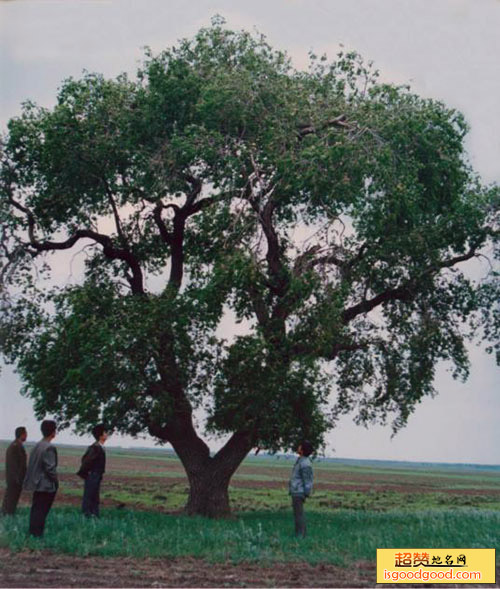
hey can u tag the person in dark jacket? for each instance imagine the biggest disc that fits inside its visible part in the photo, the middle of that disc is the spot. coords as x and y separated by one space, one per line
41 478
15 471
300 486
92 469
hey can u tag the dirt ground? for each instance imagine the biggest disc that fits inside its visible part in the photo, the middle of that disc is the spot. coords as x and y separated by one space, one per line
43 569
36 569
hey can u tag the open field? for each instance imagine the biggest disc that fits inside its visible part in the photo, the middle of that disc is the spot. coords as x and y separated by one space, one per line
142 538
155 480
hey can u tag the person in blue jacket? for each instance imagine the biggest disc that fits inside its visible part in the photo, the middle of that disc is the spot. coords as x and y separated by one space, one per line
300 486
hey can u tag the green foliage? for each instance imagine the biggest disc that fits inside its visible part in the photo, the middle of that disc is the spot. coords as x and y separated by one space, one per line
252 387
327 210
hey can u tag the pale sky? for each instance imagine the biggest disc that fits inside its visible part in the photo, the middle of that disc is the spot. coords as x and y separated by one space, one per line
446 49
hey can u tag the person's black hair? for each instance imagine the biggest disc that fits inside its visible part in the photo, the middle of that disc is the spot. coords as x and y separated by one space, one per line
20 431
98 430
48 427
307 447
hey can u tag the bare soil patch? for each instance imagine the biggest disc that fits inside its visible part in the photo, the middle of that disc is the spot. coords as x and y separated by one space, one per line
44 569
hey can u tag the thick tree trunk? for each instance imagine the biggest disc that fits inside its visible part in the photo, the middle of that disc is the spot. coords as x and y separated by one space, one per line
208 494
209 479
208 476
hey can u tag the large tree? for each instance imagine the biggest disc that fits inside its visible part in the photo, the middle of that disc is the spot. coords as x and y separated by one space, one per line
333 214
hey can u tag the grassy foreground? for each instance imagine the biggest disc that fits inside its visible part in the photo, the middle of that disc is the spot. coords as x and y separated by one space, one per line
342 537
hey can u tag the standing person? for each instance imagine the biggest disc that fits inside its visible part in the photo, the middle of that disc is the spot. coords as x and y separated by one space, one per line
41 478
92 469
300 486
15 471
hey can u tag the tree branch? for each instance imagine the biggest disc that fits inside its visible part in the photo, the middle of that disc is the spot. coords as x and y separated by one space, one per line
393 294
164 232
403 293
308 128
124 254
177 251
196 186
135 279
116 216
229 457
306 260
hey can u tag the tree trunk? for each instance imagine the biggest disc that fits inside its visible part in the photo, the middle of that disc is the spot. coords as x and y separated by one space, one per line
208 494
208 476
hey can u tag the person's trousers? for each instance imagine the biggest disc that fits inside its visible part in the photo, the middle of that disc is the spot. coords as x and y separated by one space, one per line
298 514
40 507
90 502
11 498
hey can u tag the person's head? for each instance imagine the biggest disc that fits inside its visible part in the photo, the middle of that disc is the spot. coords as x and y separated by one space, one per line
305 448
48 428
99 432
21 434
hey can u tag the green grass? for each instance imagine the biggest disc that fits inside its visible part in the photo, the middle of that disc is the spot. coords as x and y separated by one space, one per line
341 537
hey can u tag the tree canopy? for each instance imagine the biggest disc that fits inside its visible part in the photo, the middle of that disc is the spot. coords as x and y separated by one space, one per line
330 212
